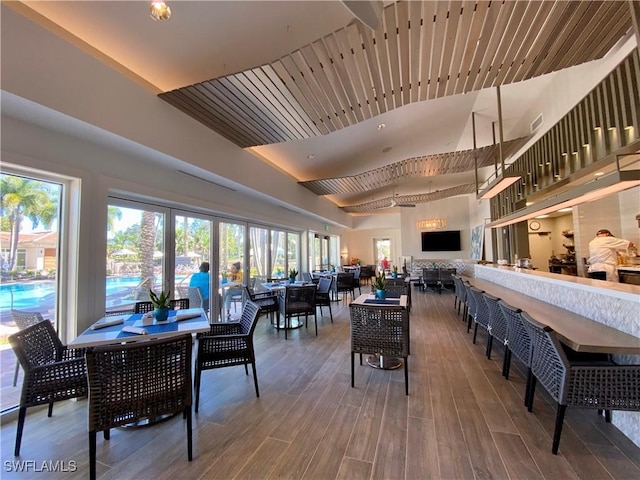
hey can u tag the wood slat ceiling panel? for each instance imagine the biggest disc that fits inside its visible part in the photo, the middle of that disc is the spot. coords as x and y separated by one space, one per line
426 166
421 50
385 203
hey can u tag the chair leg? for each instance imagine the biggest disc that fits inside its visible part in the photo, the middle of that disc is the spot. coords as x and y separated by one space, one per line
106 434
330 313
315 319
406 375
50 412
531 389
558 430
475 332
246 369
506 362
21 416
15 374
352 366
189 433
92 455
197 385
607 416
255 377
489 346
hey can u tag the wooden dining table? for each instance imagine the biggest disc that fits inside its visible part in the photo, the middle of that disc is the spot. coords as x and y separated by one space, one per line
579 333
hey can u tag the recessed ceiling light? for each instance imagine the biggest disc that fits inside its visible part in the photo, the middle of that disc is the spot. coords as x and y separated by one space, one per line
381 126
542 216
598 174
311 156
528 204
160 11
568 209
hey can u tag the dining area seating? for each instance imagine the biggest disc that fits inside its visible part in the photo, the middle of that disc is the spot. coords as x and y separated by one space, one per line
296 302
379 330
52 371
138 381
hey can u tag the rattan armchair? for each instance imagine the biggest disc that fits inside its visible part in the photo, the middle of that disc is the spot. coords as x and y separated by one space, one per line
52 372
176 304
297 302
518 342
136 381
431 279
267 301
480 312
397 287
344 284
22 321
380 330
323 295
578 380
497 325
228 344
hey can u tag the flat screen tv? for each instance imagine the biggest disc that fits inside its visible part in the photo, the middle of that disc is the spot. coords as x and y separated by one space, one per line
442 241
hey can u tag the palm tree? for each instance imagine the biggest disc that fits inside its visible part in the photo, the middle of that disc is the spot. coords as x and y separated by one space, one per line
23 197
147 247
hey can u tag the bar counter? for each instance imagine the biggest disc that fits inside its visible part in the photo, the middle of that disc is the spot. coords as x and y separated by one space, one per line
616 305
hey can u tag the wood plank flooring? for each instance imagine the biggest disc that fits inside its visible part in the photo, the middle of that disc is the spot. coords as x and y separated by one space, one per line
461 420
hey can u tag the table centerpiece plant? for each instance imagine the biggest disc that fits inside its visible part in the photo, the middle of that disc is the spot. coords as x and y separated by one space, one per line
293 273
379 284
161 303
394 273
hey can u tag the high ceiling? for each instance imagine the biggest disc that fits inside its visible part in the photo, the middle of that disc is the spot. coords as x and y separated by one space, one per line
314 85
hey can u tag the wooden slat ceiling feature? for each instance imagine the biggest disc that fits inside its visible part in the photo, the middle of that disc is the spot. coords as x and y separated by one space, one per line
420 51
384 203
425 166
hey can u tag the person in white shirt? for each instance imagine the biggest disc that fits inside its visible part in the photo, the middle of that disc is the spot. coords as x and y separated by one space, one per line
603 254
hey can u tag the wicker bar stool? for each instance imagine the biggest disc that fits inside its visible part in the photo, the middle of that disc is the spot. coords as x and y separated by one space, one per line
518 342
578 380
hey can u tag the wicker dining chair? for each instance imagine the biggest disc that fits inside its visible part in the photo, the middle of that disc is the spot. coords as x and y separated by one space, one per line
344 284
497 325
323 295
380 330
297 302
445 277
577 379
460 293
431 279
227 344
267 301
22 321
480 313
175 304
518 342
138 381
397 287
470 311
52 372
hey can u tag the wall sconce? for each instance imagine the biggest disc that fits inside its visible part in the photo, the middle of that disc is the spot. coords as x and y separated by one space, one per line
431 224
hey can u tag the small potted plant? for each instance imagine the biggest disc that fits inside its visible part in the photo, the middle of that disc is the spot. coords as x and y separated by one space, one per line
379 285
162 304
293 273
394 274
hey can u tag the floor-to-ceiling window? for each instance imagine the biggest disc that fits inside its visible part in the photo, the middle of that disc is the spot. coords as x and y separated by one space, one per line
232 267
324 251
136 253
31 210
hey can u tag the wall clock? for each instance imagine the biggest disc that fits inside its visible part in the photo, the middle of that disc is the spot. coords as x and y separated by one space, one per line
534 225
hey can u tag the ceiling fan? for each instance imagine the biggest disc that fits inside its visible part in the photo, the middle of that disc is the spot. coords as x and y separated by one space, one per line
395 203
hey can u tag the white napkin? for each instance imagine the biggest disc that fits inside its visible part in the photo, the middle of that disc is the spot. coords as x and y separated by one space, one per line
186 316
138 330
107 323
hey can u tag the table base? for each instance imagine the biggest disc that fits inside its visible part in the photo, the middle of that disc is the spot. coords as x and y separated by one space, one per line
385 363
146 422
293 323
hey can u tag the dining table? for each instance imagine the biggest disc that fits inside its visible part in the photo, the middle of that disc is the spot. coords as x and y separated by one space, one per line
134 327
377 360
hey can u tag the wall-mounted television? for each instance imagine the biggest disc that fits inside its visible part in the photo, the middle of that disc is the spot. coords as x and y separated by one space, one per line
441 241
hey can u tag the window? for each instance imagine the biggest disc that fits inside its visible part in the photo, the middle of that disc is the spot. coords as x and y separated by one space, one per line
30 214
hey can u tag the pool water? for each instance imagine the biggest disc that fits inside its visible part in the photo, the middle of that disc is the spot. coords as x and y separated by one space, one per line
40 295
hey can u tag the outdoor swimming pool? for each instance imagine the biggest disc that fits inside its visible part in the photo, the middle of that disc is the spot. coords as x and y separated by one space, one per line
39 295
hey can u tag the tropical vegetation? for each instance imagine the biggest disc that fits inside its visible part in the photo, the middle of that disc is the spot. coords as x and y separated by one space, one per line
160 301
379 282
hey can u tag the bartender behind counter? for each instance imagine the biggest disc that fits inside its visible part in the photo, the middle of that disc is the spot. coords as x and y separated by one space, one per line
603 256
